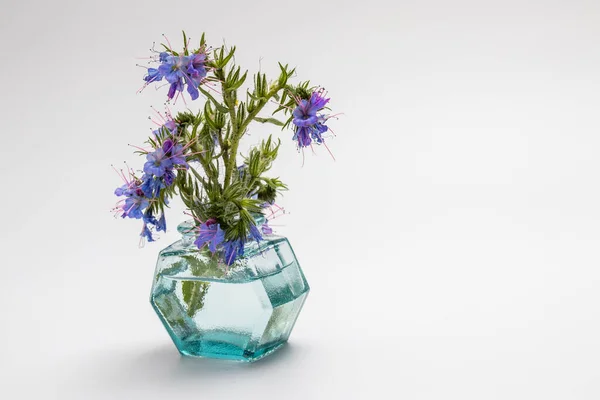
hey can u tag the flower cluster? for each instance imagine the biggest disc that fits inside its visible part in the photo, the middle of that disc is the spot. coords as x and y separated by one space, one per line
136 204
210 234
196 155
159 174
180 71
134 201
309 121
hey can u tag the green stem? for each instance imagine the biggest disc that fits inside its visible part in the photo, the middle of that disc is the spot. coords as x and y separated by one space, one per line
238 133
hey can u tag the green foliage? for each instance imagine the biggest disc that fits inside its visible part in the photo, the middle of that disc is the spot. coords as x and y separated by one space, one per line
215 185
194 293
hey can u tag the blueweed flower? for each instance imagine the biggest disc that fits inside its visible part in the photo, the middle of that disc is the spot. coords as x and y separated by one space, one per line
255 233
161 224
146 233
134 204
233 250
305 114
149 218
174 152
310 124
210 233
157 164
169 177
180 71
153 75
124 190
266 229
169 128
302 136
151 185
197 67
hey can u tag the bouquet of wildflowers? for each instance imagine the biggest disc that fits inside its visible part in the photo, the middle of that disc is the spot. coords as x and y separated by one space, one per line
194 155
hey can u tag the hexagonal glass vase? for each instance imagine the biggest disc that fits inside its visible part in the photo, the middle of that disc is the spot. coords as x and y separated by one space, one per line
244 312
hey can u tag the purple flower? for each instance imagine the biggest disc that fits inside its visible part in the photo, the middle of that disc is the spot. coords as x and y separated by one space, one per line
149 218
255 233
151 185
266 229
180 71
305 114
161 224
147 233
135 201
125 190
174 152
157 163
310 125
197 67
302 136
211 233
169 177
134 205
233 250
168 129
153 75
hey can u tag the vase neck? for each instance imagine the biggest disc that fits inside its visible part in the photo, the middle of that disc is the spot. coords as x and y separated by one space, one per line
188 229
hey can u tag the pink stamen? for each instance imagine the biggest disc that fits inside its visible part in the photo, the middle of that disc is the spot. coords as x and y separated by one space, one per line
159 114
169 43
193 216
330 153
139 148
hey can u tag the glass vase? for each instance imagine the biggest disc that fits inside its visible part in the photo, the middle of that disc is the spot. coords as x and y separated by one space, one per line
241 312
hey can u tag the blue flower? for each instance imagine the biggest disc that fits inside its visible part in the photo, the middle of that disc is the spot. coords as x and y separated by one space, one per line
153 75
302 136
197 67
151 185
266 229
168 129
310 125
211 233
147 233
233 250
180 71
157 163
161 224
149 218
172 68
175 87
305 114
134 205
174 152
125 190
169 177
255 233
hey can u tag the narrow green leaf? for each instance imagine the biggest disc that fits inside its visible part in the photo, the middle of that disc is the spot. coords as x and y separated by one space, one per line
273 121
218 105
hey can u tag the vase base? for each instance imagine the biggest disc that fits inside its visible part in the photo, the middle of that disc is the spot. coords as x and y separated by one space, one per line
225 351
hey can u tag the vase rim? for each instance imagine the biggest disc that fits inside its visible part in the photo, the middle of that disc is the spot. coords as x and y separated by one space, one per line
186 228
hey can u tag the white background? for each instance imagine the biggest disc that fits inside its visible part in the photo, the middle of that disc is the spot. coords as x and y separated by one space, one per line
452 248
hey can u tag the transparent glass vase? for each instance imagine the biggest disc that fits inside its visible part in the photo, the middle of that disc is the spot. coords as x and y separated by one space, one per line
243 312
